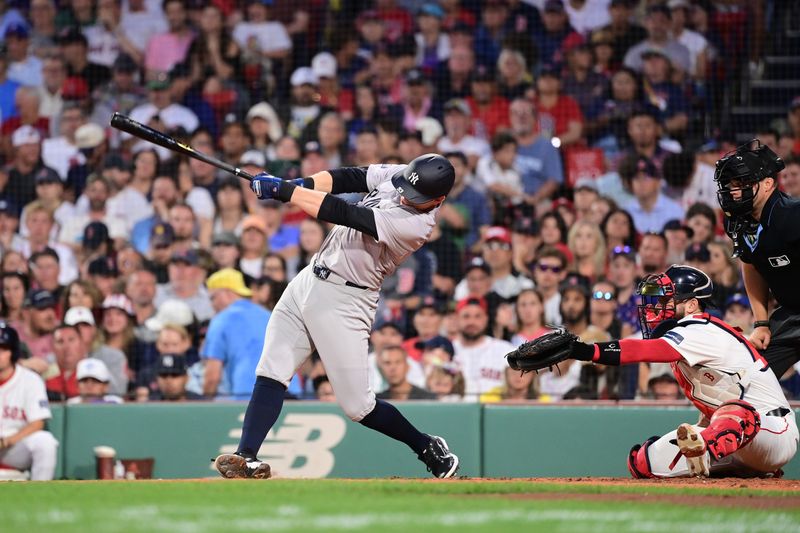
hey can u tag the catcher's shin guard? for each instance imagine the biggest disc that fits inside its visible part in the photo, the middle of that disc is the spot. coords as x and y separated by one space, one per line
731 427
638 462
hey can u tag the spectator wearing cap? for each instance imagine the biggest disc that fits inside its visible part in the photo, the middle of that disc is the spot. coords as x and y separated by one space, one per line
97 192
61 153
186 283
304 109
26 104
69 350
433 45
560 117
737 312
40 320
695 43
23 67
45 270
525 243
90 139
161 110
623 30
549 272
554 31
113 358
160 252
662 94
167 49
497 253
119 322
25 167
235 336
386 333
575 307
394 368
40 223
50 193
313 161
480 356
254 245
582 83
661 385
679 236
75 49
417 100
644 132
538 161
489 109
457 125
622 273
93 383
225 250
650 209
122 93
172 378
265 127
103 272
331 94
658 24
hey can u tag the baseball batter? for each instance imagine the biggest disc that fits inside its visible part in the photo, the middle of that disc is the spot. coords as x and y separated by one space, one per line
749 428
330 305
24 443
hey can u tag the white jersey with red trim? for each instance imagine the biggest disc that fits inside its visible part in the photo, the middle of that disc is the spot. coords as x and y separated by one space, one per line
23 399
718 364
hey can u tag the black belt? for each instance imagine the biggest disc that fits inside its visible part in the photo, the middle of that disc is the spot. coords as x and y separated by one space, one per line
780 411
325 273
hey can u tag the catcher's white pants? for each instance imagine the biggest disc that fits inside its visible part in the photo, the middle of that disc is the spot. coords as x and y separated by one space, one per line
336 320
36 452
773 446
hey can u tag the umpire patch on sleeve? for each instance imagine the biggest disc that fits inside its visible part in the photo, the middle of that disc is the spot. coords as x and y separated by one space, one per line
677 338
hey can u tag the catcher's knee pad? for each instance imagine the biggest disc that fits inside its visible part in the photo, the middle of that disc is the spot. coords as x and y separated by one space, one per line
731 427
639 462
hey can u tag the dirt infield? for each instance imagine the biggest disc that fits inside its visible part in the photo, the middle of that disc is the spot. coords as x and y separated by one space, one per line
718 483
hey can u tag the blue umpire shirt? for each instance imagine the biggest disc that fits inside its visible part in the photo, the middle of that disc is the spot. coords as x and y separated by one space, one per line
236 337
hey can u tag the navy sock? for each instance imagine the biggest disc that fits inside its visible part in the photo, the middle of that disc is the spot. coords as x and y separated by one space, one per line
388 420
262 413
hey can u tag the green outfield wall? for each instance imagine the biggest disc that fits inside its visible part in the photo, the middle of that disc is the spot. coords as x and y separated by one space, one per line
317 440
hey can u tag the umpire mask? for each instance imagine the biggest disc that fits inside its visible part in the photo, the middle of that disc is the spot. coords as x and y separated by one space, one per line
739 171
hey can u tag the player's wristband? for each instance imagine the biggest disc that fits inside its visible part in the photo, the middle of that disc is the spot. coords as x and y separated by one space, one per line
761 324
306 183
286 190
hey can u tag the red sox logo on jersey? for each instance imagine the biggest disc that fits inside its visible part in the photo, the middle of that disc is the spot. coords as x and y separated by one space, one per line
14 413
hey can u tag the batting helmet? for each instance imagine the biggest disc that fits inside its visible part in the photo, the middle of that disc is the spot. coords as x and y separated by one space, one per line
738 171
661 292
426 178
9 338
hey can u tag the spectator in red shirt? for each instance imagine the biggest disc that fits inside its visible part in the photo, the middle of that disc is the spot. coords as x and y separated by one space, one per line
559 115
69 349
26 102
489 110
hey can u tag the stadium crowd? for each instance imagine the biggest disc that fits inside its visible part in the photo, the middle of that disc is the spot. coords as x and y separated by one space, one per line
583 134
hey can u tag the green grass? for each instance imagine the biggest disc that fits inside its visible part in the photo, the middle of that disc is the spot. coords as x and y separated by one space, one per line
376 505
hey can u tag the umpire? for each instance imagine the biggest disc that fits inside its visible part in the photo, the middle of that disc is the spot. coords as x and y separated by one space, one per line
764 224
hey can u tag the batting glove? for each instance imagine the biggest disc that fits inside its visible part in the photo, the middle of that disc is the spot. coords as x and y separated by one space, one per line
266 186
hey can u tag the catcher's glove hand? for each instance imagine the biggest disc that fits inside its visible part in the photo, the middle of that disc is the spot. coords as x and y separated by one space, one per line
543 352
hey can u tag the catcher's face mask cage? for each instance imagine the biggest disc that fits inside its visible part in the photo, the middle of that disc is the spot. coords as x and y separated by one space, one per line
658 302
739 173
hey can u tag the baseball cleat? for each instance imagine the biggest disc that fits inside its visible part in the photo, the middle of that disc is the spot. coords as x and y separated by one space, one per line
441 462
235 466
693 448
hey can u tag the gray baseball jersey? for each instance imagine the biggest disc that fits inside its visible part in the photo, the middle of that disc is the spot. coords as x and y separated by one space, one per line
402 230
336 319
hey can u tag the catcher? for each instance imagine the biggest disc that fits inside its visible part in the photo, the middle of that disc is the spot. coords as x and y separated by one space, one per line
750 429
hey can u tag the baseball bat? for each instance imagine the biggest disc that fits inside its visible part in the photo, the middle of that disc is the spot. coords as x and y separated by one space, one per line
137 129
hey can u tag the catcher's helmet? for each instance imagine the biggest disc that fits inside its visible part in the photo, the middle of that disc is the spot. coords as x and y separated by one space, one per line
9 338
426 178
661 292
738 171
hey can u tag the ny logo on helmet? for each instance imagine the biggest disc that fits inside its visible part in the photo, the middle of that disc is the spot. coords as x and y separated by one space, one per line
413 178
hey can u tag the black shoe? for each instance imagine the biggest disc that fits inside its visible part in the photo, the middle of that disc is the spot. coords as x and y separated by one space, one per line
438 458
238 465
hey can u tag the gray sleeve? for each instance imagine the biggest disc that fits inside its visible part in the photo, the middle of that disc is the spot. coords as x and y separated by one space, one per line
402 229
376 174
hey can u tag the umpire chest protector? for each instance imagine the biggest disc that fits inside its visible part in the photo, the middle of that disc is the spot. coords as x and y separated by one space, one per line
773 248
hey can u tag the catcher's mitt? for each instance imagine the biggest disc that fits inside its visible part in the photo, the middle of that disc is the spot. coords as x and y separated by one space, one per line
543 352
